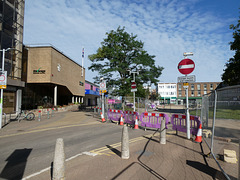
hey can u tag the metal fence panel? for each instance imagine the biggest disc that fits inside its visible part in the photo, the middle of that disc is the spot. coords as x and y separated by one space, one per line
220 114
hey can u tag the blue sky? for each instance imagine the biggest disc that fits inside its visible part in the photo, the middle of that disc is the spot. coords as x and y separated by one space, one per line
168 28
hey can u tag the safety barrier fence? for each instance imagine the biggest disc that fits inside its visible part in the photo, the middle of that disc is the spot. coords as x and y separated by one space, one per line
153 120
114 115
130 117
178 122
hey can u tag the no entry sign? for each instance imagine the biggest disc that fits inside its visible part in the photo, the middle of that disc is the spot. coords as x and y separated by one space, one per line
186 66
133 85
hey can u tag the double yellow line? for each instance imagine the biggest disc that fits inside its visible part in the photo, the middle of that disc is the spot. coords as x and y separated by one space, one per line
101 151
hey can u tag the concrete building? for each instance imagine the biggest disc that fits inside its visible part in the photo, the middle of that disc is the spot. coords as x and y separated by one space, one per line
167 92
11 36
52 78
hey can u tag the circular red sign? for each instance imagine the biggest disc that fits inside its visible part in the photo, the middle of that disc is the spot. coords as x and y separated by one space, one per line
133 85
186 66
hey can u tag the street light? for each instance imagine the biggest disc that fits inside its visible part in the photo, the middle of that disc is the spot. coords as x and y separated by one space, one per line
133 72
1 98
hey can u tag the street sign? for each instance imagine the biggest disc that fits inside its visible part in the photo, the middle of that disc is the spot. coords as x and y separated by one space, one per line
185 85
133 90
134 86
3 80
189 79
186 66
103 91
103 85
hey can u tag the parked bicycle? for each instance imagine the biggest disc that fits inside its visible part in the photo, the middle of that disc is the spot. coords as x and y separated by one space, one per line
29 116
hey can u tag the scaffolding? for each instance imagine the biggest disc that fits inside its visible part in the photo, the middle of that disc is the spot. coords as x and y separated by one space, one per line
11 35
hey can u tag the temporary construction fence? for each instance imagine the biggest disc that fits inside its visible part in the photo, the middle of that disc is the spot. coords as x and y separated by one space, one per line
153 120
179 123
220 114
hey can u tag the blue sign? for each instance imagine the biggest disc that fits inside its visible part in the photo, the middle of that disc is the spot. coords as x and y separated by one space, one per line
88 91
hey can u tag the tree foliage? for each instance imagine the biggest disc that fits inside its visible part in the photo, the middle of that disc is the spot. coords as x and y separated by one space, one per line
231 75
119 53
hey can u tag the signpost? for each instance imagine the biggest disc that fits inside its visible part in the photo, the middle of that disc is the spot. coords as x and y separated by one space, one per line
3 80
186 66
103 90
189 79
134 87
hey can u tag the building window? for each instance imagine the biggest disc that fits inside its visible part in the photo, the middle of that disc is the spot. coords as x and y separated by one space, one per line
192 86
199 93
179 86
198 87
179 93
192 93
211 86
205 86
205 92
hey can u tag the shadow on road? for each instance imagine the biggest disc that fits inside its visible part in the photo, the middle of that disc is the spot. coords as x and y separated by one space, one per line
117 152
16 164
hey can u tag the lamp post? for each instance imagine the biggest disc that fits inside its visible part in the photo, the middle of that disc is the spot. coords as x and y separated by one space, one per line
1 98
133 72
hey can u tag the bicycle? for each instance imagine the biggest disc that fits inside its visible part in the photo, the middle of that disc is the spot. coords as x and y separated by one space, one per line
28 116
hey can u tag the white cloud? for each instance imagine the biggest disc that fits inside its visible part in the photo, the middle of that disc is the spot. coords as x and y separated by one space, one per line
168 28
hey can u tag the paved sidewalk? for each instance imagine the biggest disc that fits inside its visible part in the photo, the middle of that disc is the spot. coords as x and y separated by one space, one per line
178 159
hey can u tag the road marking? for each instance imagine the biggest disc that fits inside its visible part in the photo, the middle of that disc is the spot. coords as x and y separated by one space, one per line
47 129
37 173
91 153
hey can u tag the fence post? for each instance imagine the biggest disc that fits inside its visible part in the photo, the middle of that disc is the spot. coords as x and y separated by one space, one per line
48 113
163 132
214 118
52 112
39 115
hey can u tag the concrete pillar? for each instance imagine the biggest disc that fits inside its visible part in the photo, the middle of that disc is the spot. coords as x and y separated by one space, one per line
79 100
76 99
59 161
163 132
125 143
73 99
18 100
55 96
82 99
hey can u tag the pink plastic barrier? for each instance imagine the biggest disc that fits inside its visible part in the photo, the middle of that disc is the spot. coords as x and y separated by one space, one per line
130 117
179 123
153 119
114 115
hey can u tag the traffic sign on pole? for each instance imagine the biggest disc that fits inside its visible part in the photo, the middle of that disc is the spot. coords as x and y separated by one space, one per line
133 85
3 80
189 79
186 66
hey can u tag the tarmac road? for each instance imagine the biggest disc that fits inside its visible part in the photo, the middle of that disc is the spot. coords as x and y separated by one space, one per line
28 147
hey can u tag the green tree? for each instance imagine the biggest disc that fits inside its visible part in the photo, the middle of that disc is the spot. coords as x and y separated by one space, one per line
119 53
231 75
